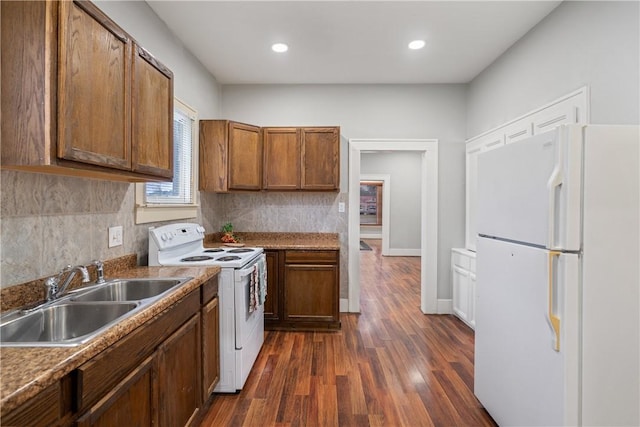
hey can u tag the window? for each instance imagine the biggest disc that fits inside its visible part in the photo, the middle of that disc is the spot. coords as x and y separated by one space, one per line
164 201
371 203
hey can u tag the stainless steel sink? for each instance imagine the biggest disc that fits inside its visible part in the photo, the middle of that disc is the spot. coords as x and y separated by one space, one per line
83 314
65 324
129 290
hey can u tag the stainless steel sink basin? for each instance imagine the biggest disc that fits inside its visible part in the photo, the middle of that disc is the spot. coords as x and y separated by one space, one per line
129 290
80 316
65 324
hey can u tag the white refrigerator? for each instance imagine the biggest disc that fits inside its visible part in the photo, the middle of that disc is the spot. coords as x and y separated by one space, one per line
557 338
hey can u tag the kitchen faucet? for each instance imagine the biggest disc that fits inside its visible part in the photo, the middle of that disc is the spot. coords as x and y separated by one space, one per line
99 271
54 290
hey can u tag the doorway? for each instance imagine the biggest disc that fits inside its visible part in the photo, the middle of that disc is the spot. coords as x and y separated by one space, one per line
429 215
386 203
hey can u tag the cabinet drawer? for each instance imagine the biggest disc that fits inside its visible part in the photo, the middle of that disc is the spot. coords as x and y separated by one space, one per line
42 410
209 289
460 260
103 372
311 257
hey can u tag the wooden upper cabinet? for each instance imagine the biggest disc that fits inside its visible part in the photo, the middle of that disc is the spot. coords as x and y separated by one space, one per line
320 158
94 92
281 158
152 115
230 156
70 79
236 156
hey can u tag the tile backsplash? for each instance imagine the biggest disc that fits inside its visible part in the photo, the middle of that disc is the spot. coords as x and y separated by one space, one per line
49 221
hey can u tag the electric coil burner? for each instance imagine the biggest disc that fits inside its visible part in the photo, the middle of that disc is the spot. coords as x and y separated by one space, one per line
228 258
196 258
214 250
240 250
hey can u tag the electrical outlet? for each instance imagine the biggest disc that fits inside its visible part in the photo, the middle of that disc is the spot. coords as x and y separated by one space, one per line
341 207
115 236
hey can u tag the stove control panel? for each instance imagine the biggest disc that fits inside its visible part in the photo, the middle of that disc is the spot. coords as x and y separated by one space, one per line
172 235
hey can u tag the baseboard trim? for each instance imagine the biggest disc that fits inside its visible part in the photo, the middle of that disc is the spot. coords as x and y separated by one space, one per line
377 236
404 252
445 306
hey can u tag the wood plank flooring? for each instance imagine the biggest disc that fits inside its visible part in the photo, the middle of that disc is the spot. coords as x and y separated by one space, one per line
390 365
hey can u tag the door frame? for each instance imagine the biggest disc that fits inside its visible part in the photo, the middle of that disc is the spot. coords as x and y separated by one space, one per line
386 207
428 216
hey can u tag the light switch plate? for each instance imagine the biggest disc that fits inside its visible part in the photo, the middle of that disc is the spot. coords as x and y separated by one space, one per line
115 236
341 207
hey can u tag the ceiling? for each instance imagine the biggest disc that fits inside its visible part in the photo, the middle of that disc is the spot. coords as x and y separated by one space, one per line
349 42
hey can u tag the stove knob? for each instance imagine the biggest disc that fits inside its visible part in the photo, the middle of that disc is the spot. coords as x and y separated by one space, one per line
164 236
200 229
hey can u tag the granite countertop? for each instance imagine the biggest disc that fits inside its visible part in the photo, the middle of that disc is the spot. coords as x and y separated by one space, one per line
25 371
306 241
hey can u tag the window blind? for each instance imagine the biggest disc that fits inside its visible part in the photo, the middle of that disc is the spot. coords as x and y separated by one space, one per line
179 191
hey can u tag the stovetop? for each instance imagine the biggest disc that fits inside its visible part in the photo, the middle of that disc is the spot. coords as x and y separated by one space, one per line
181 245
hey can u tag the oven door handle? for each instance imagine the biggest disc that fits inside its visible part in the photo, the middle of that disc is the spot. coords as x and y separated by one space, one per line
248 270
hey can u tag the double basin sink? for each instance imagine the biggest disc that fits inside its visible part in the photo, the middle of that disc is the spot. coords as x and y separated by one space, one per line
81 315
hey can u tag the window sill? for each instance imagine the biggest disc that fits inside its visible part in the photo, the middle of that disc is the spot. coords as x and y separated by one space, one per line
146 214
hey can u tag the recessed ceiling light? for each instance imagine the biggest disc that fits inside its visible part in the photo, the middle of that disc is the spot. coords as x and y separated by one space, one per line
279 47
416 44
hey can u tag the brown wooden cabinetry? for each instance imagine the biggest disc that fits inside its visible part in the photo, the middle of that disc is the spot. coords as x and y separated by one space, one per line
281 158
272 302
79 97
320 159
302 158
49 407
131 402
308 286
230 156
210 338
179 376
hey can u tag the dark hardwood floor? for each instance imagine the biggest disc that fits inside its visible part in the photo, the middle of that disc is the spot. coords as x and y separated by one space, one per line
390 365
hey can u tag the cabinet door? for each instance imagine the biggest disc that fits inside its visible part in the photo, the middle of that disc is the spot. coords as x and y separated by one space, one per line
245 157
281 159
271 303
471 312
310 292
487 143
210 347
460 280
94 88
179 375
132 402
152 116
320 158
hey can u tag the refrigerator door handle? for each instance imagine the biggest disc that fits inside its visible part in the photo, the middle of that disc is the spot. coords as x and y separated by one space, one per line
554 320
554 186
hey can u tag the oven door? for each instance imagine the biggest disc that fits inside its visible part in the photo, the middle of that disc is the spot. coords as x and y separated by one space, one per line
247 323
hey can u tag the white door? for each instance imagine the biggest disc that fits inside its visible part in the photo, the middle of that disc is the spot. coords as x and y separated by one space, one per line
520 374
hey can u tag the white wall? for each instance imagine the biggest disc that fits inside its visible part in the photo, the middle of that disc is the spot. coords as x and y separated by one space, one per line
193 84
404 218
579 43
374 111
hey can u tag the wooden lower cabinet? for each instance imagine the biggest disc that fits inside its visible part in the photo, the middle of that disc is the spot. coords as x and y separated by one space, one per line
160 374
132 402
272 302
179 376
210 347
45 409
308 285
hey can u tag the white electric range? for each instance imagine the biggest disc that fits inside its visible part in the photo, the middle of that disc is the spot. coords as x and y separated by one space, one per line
241 321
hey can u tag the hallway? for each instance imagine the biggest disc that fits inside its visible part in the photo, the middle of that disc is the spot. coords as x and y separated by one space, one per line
389 365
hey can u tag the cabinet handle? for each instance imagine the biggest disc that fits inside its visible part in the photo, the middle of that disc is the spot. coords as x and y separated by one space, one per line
554 320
